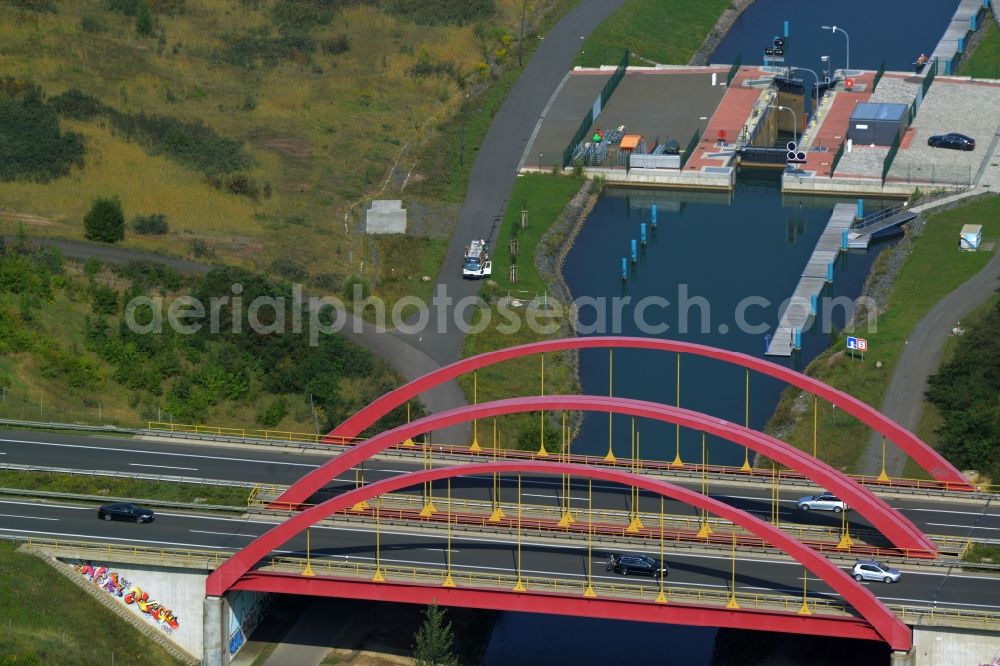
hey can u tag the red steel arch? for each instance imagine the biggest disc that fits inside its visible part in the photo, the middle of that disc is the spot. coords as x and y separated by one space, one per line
897 528
912 445
891 629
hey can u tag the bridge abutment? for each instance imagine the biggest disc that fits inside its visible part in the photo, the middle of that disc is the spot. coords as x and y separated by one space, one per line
903 658
214 631
933 646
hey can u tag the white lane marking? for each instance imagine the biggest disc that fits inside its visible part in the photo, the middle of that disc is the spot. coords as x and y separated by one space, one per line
532 495
960 513
57 506
11 515
246 536
158 453
193 469
966 527
442 550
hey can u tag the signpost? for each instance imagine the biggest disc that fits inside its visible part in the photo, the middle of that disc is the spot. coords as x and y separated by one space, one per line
859 344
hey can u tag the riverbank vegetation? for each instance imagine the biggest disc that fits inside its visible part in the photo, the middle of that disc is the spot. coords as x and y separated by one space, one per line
68 352
655 31
983 59
76 630
935 267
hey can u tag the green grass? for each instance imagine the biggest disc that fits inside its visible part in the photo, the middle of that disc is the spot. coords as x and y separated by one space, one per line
662 31
75 484
981 552
45 619
984 61
545 197
934 269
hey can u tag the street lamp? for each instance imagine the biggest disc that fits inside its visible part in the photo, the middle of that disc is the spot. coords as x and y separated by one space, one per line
806 69
539 162
826 68
795 123
833 28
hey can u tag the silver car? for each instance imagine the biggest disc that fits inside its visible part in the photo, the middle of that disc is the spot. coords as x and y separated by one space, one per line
823 502
871 570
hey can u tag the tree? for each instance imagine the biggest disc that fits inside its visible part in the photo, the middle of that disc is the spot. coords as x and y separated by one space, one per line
105 221
434 640
144 23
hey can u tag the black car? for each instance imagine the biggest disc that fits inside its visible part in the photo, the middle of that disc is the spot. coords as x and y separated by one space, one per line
639 565
952 140
125 511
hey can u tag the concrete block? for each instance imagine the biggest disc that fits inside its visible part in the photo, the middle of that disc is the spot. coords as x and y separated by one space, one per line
933 646
386 217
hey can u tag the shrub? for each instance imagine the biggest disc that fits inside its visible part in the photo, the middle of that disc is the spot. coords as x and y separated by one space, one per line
144 23
92 23
105 221
339 44
104 300
437 12
31 145
77 105
289 269
92 267
153 224
273 413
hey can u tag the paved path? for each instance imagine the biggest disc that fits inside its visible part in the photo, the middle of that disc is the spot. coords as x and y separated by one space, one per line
904 400
495 168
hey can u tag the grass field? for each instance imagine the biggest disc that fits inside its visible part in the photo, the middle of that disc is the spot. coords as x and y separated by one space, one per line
45 619
323 127
76 484
984 61
662 31
934 269
545 197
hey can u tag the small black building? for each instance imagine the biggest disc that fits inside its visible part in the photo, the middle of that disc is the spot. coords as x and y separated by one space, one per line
877 124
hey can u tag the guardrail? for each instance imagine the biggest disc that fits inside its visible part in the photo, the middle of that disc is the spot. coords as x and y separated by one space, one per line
132 476
877 217
105 499
205 558
244 433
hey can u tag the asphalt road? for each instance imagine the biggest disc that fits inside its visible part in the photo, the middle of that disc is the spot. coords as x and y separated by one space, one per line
492 177
282 466
498 554
904 400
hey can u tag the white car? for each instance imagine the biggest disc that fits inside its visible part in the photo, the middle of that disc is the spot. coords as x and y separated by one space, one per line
823 502
871 570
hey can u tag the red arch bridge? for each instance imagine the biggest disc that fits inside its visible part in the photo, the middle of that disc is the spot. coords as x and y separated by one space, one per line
497 563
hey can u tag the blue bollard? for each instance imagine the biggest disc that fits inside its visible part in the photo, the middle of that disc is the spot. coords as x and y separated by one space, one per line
634 253
767 343
624 269
642 232
843 239
972 22
986 4
653 212
798 338
812 304
861 209
786 29
829 272
961 44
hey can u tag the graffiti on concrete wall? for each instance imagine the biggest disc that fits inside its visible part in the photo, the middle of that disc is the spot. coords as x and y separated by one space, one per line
117 585
246 611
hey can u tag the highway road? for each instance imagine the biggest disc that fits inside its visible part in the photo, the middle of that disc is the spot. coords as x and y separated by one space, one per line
401 547
958 518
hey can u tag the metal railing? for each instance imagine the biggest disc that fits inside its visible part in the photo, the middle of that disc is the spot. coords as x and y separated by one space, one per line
890 156
877 216
836 158
245 433
878 75
734 69
689 151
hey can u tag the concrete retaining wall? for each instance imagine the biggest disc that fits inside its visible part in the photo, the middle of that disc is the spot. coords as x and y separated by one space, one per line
934 646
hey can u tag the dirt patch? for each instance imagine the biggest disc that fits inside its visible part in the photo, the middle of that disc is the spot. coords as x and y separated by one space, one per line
26 218
288 146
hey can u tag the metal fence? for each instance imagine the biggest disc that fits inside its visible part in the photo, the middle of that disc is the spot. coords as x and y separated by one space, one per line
928 78
836 158
599 104
909 171
890 156
878 75
692 144
734 69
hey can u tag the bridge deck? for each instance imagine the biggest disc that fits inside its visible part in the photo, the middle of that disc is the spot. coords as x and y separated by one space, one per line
798 312
859 239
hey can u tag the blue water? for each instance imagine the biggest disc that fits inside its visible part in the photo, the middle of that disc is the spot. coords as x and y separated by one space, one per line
757 245
895 31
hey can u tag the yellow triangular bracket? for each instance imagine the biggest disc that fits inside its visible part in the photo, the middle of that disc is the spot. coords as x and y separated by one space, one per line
746 466
705 530
378 577
519 586
731 604
589 592
361 506
496 516
634 526
804 610
661 598
566 520
448 582
883 477
308 571
542 452
610 458
408 442
475 448
845 542
677 461
428 510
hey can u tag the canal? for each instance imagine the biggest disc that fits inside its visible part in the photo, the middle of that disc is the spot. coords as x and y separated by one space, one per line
710 254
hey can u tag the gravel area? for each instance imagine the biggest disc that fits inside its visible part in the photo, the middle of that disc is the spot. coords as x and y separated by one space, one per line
863 161
950 107
891 90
